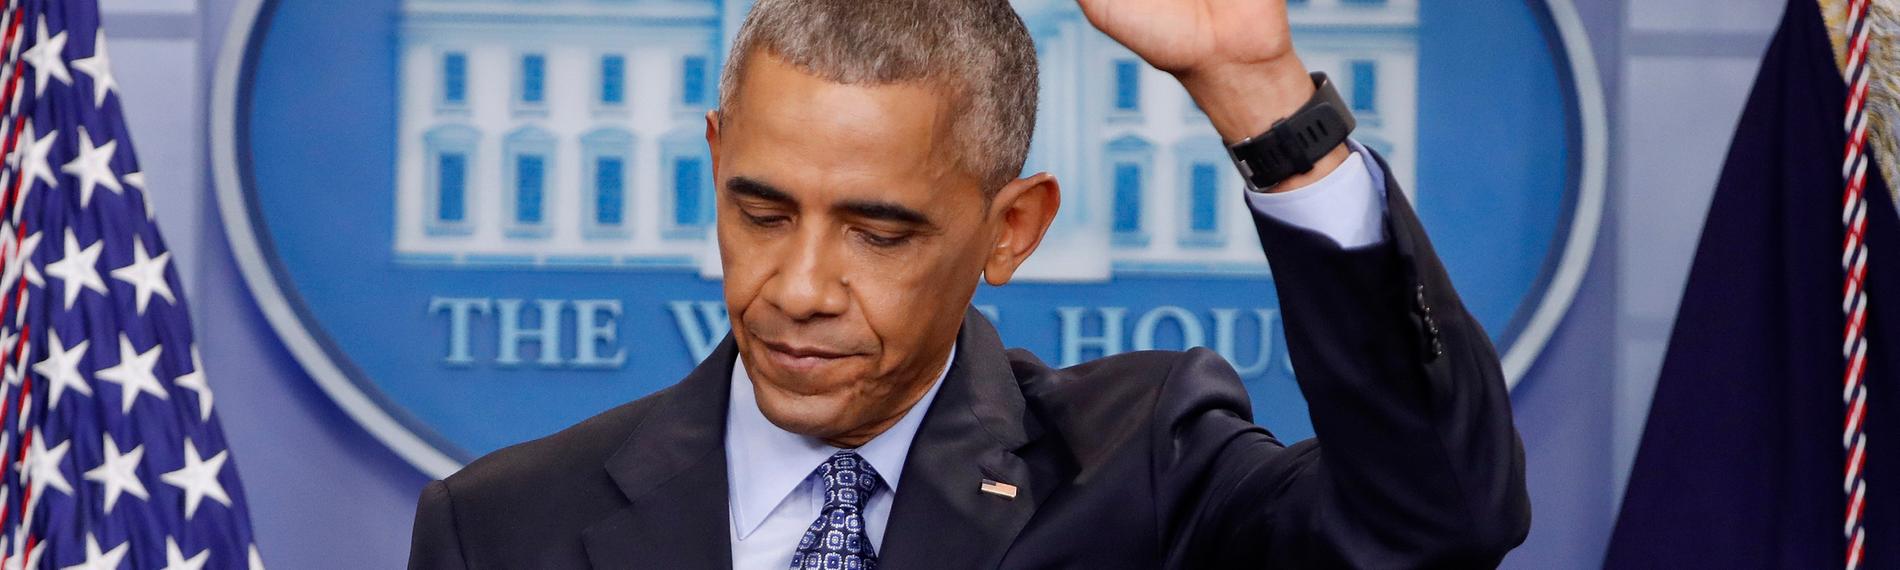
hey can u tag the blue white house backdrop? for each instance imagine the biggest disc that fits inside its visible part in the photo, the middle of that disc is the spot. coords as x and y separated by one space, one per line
475 222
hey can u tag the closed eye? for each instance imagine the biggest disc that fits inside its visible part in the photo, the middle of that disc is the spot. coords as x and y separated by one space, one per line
884 240
764 220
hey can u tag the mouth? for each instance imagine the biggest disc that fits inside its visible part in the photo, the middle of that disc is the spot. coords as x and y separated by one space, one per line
802 358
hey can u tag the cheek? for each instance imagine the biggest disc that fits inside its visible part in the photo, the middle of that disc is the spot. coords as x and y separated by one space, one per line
907 301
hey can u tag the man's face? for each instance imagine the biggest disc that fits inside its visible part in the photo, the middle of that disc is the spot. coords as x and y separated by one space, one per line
852 241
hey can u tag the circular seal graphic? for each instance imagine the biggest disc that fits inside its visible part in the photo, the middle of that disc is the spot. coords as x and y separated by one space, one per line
474 224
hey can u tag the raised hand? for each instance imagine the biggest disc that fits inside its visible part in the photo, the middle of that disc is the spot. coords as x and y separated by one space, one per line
1187 36
1235 57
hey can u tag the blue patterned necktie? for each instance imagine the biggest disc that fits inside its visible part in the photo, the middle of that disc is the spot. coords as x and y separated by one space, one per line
838 539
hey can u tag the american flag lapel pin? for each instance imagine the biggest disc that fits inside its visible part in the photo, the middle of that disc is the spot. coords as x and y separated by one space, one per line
1000 489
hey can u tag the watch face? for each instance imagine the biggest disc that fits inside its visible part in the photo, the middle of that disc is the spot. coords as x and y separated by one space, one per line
474 223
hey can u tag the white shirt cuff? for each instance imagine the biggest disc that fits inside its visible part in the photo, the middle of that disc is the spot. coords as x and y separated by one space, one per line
1346 205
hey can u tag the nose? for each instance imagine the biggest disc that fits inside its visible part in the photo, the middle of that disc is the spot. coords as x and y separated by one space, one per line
809 284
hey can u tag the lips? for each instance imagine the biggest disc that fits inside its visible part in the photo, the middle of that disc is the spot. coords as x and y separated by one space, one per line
795 351
802 358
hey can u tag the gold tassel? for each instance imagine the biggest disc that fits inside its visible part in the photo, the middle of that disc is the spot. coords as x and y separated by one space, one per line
1883 89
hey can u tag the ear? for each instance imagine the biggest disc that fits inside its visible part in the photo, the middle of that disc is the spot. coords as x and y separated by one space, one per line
1021 213
712 139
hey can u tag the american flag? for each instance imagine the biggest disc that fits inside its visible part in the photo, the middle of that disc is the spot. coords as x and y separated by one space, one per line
110 451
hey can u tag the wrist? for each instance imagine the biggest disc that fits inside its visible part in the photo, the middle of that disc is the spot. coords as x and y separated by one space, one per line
1245 99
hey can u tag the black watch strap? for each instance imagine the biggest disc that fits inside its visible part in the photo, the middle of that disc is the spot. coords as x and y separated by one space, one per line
1293 145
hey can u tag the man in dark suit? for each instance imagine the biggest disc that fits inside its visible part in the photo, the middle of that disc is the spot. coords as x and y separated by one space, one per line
860 415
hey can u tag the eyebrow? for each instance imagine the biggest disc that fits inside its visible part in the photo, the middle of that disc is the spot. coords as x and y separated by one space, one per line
757 189
884 211
869 209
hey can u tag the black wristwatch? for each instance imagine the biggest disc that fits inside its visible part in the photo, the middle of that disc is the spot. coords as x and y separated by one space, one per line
1293 145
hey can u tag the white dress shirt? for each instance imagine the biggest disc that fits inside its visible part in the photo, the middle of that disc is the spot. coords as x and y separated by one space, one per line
1347 205
775 489
775 492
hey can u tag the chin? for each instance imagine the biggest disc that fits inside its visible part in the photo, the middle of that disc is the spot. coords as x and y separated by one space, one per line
810 416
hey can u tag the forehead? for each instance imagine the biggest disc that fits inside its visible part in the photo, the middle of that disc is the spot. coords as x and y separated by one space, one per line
802 126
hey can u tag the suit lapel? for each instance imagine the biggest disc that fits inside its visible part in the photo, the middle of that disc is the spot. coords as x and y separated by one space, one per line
972 432
672 469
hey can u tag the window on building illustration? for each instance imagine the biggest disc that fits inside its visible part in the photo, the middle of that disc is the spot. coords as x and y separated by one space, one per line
1127 85
613 79
530 183
1130 161
685 189
533 77
1204 206
450 160
693 80
1127 198
606 162
1365 86
609 191
454 78
689 192
451 192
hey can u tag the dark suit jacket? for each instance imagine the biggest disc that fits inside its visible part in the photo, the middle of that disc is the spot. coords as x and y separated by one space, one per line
1142 460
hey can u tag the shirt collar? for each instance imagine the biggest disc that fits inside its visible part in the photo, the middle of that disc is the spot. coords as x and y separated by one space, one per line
765 463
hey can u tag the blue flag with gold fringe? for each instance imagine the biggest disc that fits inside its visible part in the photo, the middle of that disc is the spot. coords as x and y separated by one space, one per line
1745 462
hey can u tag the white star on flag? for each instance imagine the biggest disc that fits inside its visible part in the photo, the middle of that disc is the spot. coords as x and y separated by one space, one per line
146 274
195 381
61 367
41 466
137 180
47 59
175 558
99 66
133 373
79 268
19 255
119 473
32 163
96 560
198 479
93 167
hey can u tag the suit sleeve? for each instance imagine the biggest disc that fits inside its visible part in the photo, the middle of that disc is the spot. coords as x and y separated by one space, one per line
435 544
1416 463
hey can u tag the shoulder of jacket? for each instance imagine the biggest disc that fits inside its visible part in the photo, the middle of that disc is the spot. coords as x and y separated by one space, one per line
1102 407
1110 377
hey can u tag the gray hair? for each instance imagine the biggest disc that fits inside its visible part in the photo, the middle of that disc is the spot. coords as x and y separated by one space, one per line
977 48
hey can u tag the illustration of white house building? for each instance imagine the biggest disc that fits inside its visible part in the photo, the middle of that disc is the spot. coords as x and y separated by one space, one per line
569 133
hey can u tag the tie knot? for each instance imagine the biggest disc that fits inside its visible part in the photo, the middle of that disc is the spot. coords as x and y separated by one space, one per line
849 480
